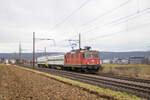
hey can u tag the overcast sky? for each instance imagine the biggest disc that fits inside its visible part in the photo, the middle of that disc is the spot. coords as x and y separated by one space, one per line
105 25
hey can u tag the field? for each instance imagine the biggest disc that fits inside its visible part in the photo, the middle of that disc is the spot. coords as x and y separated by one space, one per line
24 85
131 70
18 83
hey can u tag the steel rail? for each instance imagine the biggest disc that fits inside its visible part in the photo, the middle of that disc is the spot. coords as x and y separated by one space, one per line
124 78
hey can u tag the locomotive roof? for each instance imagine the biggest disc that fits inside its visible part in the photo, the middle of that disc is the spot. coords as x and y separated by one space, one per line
82 50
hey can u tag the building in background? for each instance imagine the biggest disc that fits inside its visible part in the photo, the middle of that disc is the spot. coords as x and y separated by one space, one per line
124 61
138 60
120 61
6 61
12 61
106 61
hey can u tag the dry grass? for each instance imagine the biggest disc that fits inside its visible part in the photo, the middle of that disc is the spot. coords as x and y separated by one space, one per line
126 65
131 70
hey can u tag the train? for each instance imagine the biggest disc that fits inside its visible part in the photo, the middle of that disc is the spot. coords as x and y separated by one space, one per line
83 60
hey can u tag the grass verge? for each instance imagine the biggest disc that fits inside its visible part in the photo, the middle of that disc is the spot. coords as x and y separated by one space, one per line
126 65
130 70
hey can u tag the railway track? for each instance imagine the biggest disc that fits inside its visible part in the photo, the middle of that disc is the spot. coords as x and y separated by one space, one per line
137 87
124 78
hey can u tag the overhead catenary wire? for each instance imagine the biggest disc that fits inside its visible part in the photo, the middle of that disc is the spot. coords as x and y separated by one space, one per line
68 40
106 13
65 42
71 14
138 6
124 19
144 11
134 15
82 5
124 30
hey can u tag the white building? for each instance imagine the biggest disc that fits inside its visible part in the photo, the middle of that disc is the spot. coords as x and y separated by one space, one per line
106 61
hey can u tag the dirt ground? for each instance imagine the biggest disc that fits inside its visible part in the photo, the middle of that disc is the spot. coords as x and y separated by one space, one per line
19 84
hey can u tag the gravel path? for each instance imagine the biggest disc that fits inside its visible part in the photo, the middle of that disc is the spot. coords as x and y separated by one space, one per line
18 84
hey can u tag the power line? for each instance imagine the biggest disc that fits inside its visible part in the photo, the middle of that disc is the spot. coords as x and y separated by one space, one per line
68 39
71 40
71 14
138 14
59 43
83 6
138 6
114 33
108 12
131 16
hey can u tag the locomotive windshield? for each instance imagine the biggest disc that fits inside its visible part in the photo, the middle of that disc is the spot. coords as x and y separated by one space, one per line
96 55
87 55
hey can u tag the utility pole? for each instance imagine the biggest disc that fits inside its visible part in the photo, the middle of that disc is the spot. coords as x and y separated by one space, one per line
33 54
15 55
45 51
20 59
79 41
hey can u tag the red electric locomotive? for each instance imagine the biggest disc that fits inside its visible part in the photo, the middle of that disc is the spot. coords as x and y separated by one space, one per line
83 59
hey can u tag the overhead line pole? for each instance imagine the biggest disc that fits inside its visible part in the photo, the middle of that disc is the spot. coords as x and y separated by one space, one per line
79 41
15 55
33 54
45 51
20 53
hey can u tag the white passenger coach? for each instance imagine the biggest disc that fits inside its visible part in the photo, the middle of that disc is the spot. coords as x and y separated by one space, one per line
51 60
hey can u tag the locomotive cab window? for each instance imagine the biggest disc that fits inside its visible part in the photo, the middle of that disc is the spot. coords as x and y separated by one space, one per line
87 55
96 55
72 56
67 56
83 55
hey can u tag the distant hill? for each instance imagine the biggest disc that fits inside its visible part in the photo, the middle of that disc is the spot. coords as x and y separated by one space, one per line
111 55
104 55
26 56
